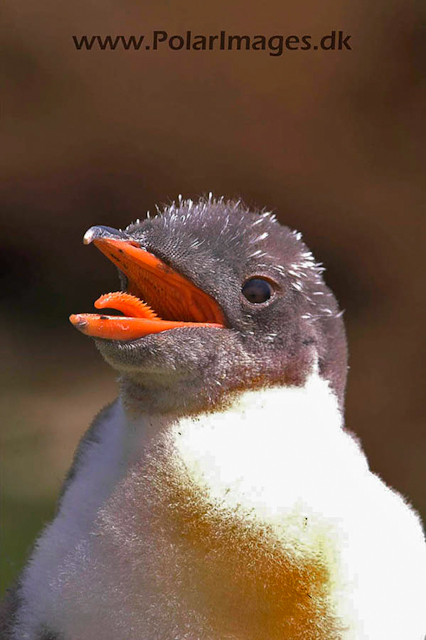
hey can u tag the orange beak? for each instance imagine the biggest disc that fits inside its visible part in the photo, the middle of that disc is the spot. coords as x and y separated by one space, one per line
170 301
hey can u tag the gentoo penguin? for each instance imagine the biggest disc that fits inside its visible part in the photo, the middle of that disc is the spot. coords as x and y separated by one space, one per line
220 497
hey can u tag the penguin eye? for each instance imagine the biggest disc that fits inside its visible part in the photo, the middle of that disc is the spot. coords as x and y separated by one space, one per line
257 290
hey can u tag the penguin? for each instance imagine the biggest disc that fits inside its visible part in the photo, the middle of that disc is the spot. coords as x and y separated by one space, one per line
221 497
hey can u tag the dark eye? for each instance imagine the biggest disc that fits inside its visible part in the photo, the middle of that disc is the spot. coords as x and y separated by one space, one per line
257 290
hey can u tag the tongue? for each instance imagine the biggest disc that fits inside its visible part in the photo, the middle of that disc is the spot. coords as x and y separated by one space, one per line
129 305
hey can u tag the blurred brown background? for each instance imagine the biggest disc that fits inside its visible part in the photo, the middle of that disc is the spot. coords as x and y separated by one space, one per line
332 141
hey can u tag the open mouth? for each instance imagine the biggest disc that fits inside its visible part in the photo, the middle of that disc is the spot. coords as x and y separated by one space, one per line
157 297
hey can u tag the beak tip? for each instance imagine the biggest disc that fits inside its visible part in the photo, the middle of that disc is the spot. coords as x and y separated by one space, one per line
102 233
89 235
78 321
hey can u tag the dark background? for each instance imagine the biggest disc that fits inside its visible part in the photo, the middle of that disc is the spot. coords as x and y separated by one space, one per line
332 141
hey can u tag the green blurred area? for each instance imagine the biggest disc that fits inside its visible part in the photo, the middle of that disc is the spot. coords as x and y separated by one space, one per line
22 522
51 390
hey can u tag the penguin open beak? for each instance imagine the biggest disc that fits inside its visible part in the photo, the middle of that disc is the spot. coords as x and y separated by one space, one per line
157 298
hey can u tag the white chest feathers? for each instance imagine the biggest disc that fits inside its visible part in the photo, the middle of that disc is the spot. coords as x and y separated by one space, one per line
259 522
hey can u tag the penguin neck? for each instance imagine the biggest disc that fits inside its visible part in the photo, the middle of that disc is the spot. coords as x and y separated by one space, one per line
169 398
275 424
164 397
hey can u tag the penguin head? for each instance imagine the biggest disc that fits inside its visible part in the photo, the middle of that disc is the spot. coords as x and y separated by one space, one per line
216 299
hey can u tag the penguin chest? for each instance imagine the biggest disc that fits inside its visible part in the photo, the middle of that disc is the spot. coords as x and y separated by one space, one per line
214 571
196 541
210 533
